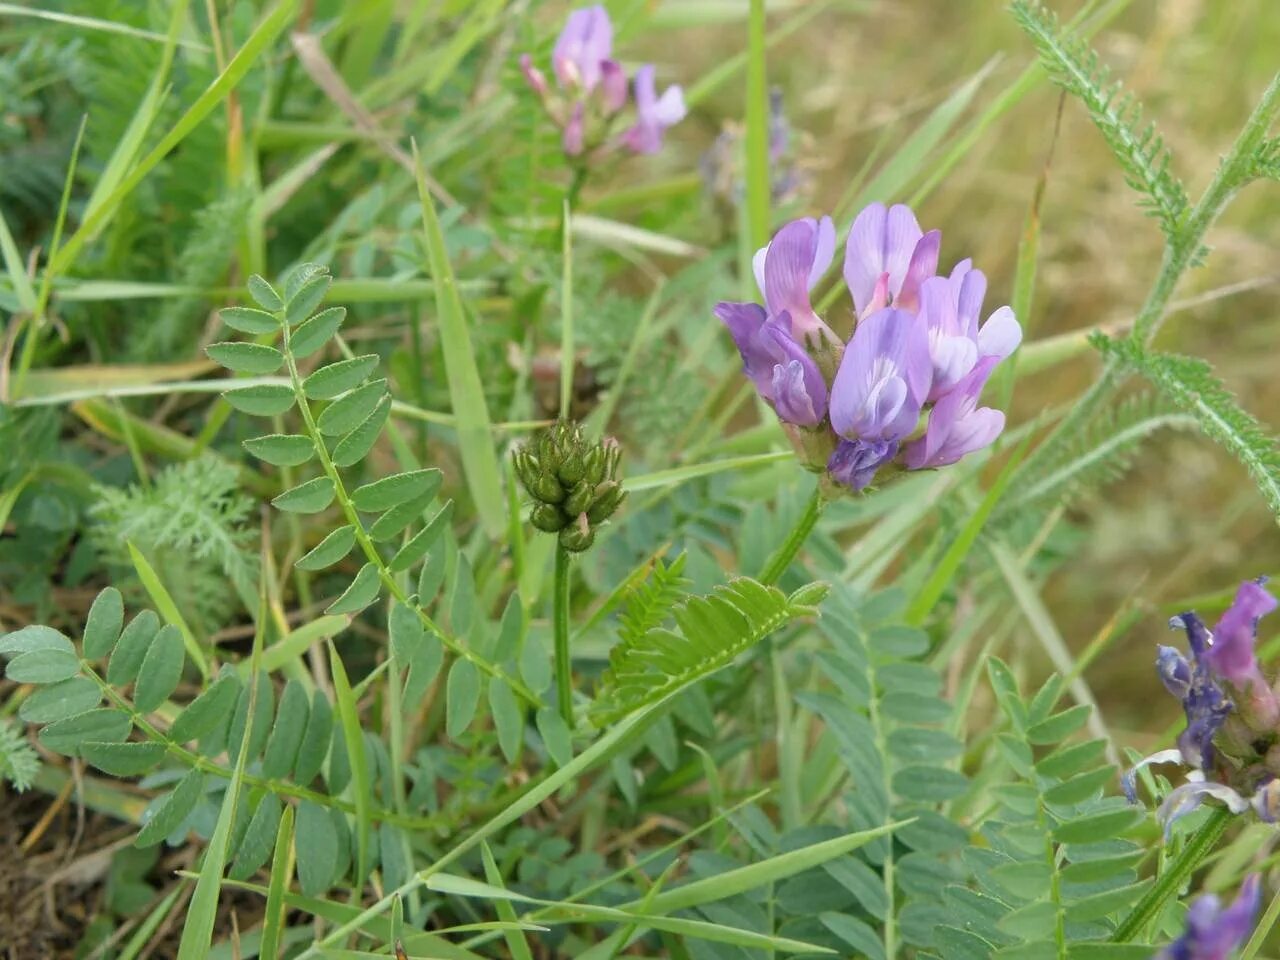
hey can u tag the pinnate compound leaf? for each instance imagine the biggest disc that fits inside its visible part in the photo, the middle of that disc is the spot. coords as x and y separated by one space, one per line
462 602
310 497
316 842
43 666
161 669
60 700
123 759
1058 727
102 628
463 692
356 445
251 358
33 638
316 332
315 740
282 449
362 591
394 521
259 838
389 491
286 735
307 297
263 400
711 631
422 541
349 411
337 378
264 294
249 320
174 809
1191 385
104 724
431 576
212 707
329 550
507 718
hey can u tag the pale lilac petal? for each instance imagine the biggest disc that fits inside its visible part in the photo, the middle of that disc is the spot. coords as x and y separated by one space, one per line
953 354
969 289
1231 656
1129 779
923 264
880 241
883 377
670 108
757 267
746 325
1186 797
1000 335
787 263
957 426
584 43
826 250
613 86
792 398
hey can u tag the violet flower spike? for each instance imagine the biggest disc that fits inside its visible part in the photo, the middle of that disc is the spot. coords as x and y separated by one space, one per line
887 257
583 46
1231 654
1213 931
883 378
854 462
957 425
783 372
787 269
654 114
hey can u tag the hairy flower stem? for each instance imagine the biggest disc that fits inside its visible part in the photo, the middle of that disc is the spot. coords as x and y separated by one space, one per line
787 551
1180 253
1173 879
564 668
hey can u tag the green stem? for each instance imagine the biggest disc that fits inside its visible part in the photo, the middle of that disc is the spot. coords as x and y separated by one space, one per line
564 667
1181 252
1172 880
785 553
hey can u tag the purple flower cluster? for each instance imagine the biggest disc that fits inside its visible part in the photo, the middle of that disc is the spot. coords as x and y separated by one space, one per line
1231 710
1213 930
594 91
917 347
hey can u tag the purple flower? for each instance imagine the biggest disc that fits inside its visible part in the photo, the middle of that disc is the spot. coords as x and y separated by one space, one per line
1205 705
1230 654
957 425
572 138
654 114
855 462
883 377
887 258
533 76
951 306
781 369
789 266
584 45
1213 931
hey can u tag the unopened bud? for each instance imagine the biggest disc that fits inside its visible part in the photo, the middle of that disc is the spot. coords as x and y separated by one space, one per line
548 518
546 488
578 536
606 503
579 499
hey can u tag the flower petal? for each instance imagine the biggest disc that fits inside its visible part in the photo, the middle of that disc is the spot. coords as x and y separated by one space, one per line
854 462
1000 335
824 251
890 345
923 264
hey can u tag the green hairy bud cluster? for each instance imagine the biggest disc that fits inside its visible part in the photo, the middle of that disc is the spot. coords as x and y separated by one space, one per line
572 481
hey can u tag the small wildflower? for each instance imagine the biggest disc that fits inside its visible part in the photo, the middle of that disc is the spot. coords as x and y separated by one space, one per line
916 351
594 91
1233 715
573 482
721 165
1214 931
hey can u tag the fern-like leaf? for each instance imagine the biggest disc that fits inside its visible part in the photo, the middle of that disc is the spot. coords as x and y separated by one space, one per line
651 602
1190 383
709 633
18 762
1140 150
1099 454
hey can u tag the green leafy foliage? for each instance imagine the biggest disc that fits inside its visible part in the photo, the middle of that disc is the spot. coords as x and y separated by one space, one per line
709 633
19 763
1190 384
1140 151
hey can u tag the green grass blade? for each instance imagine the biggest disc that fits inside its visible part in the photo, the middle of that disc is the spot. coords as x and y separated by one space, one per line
15 268
566 315
466 391
949 565
281 868
349 717
516 942
255 46
757 137
168 609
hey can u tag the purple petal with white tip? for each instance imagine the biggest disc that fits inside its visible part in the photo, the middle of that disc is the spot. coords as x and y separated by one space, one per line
881 241
584 43
883 377
957 425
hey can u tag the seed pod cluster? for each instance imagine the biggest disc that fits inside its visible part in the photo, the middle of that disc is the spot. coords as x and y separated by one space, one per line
573 482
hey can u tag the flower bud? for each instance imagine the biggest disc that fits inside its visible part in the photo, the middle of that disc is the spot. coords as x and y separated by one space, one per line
572 469
609 497
579 499
578 536
548 518
546 488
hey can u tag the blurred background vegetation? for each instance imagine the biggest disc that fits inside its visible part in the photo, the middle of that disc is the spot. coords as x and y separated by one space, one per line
284 171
